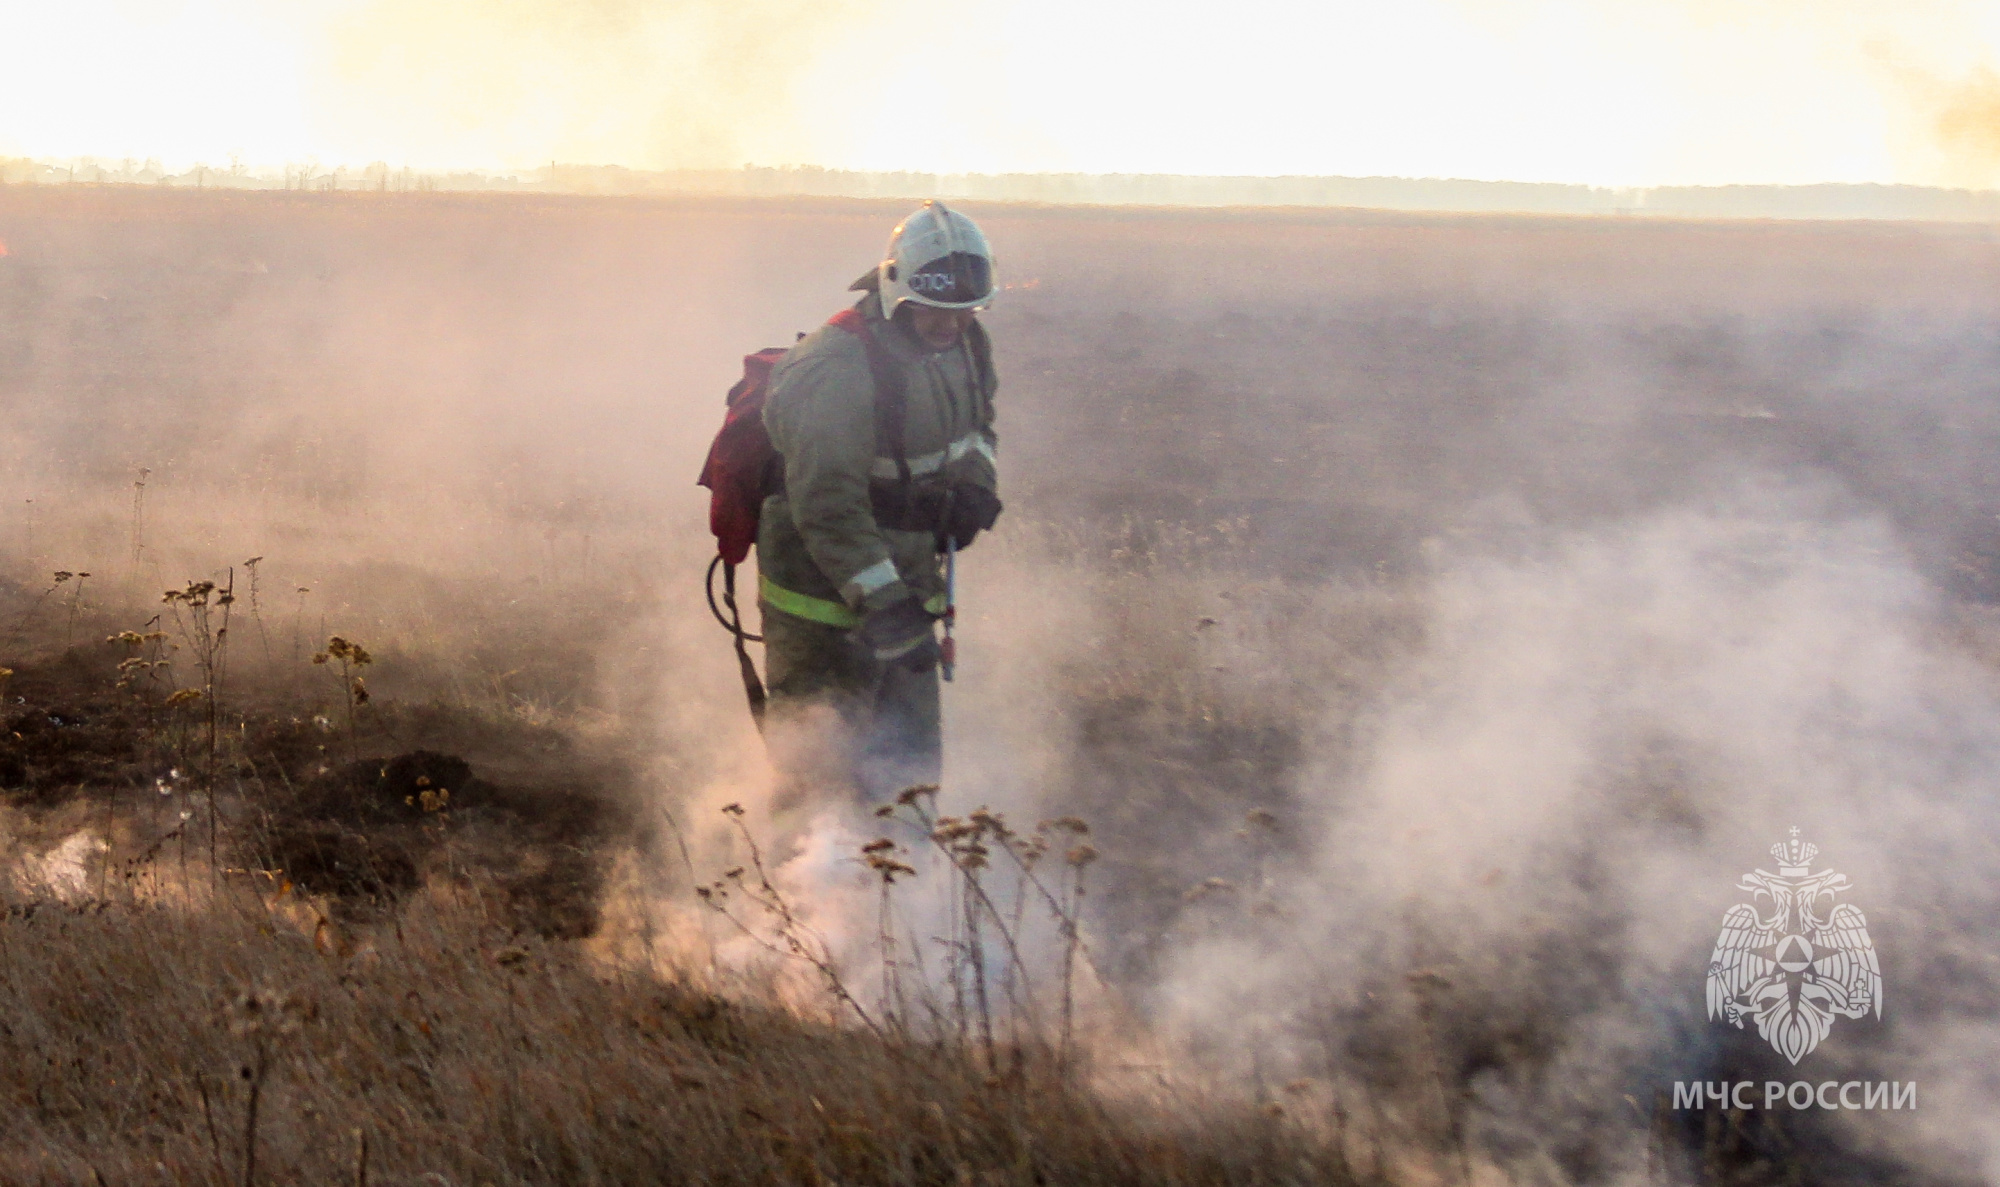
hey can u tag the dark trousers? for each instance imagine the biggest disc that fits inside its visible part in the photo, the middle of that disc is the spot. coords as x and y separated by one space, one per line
888 734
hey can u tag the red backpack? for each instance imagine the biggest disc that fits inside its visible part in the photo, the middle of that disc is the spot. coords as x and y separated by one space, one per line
742 469
738 470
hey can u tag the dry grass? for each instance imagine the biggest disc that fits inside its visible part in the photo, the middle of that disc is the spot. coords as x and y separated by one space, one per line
132 1038
373 990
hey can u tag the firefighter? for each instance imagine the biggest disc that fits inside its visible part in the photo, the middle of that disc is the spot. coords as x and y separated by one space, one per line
883 422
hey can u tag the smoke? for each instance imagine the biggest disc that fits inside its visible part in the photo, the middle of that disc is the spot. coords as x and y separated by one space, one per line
1697 92
1529 578
1953 122
1969 120
1554 799
700 85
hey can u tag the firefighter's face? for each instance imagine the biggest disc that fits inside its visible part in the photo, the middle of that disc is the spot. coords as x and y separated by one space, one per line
939 328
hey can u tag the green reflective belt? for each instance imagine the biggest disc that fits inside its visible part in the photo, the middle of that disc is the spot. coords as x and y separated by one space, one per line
812 609
799 605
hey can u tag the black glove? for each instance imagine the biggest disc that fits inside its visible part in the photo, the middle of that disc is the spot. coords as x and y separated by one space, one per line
900 635
973 509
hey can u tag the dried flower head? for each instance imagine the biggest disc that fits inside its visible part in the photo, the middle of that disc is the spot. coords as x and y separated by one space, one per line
991 822
889 868
263 1010
345 650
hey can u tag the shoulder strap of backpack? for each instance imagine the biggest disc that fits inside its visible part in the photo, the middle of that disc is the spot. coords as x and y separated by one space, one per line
892 396
982 356
984 384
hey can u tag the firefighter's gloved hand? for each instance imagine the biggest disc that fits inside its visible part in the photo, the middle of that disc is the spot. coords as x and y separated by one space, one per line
900 635
973 510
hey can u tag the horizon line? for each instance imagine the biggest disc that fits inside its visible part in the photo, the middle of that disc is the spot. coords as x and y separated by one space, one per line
1898 201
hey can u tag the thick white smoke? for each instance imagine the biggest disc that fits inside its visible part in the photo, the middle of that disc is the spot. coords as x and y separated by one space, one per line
1553 803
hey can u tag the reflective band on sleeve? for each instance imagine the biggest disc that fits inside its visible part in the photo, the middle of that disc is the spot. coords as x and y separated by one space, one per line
973 442
799 605
872 578
937 605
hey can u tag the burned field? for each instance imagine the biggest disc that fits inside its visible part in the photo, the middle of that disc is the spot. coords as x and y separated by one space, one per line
1414 607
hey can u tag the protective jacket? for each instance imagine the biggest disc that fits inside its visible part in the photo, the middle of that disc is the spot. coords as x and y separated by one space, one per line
823 552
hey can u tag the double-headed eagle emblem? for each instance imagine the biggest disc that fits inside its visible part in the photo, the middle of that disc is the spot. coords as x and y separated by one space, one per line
1796 968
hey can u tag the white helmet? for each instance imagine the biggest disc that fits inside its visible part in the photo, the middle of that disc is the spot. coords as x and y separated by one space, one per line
936 257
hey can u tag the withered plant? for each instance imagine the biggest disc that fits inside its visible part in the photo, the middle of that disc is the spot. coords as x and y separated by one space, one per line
60 577
75 604
794 938
352 657
256 611
200 614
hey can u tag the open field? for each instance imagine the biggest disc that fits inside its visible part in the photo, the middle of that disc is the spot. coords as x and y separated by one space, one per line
1431 617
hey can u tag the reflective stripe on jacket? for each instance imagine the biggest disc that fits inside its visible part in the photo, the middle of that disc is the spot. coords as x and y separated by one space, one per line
812 609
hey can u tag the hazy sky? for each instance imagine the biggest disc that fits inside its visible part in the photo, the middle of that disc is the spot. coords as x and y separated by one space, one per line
1615 92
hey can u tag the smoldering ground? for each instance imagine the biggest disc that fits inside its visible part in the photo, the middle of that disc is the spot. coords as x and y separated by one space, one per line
1473 599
